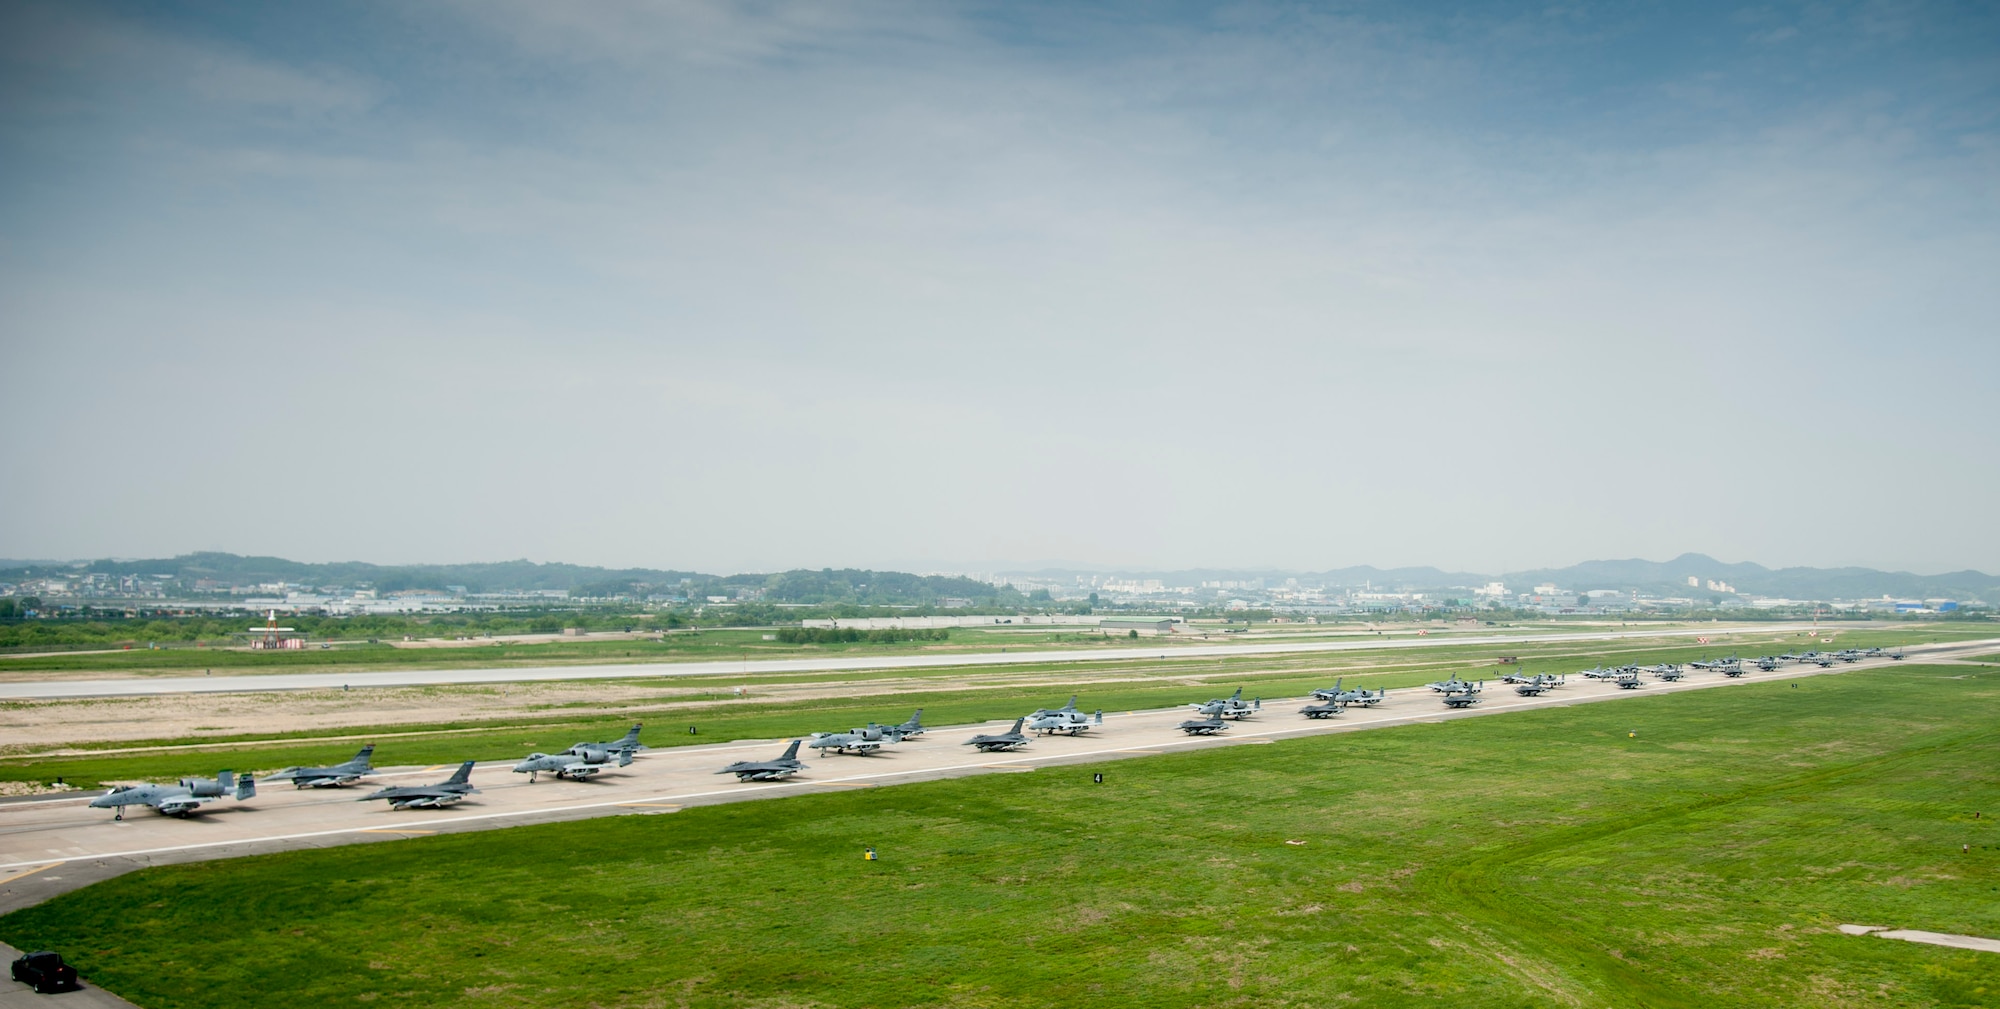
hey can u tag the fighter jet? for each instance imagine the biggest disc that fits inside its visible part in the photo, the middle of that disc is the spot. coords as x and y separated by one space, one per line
178 799
1848 655
328 777
1229 707
1362 697
1002 741
1537 685
1767 663
1897 655
575 767
857 741
1629 681
1666 671
1326 710
1459 693
769 770
438 796
598 753
1600 673
1065 719
1203 726
912 728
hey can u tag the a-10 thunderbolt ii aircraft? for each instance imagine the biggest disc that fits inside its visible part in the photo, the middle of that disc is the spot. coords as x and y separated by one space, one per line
1229 707
912 728
1203 726
178 799
1536 685
1327 709
438 796
857 741
769 770
345 773
1065 719
574 766
598 753
1000 742
1362 697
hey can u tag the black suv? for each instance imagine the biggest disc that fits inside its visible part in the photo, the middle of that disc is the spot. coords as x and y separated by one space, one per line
45 972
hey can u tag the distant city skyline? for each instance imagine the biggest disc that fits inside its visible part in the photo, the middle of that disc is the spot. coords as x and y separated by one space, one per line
945 286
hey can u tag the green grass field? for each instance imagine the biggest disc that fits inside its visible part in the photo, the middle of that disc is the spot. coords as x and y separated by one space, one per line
1679 850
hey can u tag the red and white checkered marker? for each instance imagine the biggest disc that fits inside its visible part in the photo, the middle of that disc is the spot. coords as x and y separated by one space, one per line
1701 641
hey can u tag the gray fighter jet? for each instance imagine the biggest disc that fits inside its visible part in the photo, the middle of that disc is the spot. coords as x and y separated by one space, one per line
598 753
1459 693
1001 742
1362 697
1324 710
346 773
1666 671
769 770
177 799
1768 663
1600 673
1629 681
1203 726
438 796
857 741
1065 719
575 767
912 728
1229 707
1537 685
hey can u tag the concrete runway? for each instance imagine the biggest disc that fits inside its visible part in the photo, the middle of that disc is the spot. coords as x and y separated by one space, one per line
52 845
144 685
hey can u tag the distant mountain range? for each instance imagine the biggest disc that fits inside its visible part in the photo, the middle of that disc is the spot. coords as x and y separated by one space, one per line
827 586
1664 578
863 587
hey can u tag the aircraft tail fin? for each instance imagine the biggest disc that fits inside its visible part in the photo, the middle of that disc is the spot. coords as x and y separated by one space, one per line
461 776
226 779
917 720
1100 716
631 738
1238 695
1017 724
361 759
1071 706
792 751
624 758
246 786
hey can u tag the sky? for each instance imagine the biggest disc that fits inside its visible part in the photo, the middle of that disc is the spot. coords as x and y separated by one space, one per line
939 286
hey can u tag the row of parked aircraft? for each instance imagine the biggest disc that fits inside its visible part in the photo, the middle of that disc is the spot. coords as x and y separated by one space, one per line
184 797
584 760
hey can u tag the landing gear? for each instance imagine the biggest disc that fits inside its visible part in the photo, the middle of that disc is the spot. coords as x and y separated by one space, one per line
120 815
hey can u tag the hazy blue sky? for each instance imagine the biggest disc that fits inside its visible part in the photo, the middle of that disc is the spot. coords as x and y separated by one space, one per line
936 286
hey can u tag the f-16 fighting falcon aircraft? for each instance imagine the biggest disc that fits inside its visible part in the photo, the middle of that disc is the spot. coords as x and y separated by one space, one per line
1203 726
1065 719
438 796
575 767
770 770
1460 693
1361 697
912 728
598 753
1229 707
1001 742
1629 681
346 773
1325 710
1768 663
1536 685
178 799
857 741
